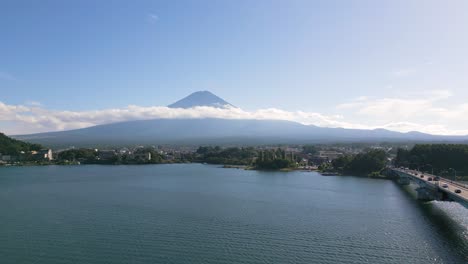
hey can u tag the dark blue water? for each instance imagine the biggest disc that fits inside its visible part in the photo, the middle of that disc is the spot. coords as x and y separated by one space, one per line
205 214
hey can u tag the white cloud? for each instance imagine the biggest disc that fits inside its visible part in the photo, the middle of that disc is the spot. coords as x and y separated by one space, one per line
416 112
410 113
152 18
32 119
431 129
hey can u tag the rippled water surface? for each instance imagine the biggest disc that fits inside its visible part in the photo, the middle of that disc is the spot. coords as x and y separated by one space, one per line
205 214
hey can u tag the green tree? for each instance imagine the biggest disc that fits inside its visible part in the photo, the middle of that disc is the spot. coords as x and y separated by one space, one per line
309 149
436 157
369 162
10 146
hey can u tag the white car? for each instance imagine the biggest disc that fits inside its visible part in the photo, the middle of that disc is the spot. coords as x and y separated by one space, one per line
444 185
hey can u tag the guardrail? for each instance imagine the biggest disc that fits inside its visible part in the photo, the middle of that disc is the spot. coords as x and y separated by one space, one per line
464 186
457 184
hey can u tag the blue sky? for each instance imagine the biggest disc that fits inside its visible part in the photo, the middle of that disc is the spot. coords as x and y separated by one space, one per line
362 64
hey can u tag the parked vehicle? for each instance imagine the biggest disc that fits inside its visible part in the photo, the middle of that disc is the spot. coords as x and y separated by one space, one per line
422 176
457 191
429 179
437 178
445 185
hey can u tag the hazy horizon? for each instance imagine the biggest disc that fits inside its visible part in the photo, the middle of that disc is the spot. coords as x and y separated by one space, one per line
397 65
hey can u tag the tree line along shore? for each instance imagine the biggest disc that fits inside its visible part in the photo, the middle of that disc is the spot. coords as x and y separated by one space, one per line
353 159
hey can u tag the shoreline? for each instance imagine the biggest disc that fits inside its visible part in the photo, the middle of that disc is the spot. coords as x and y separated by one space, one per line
224 166
81 164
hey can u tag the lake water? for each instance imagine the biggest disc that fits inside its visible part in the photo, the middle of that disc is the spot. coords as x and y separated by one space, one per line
193 213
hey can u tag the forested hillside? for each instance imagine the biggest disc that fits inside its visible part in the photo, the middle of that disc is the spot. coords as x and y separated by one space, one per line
437 157
366 163
10 146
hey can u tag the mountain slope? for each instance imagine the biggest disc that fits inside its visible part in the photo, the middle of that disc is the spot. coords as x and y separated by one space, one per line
219 131
201 98
10 146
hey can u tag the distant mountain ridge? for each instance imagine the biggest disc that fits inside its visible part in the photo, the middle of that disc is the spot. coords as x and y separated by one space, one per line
219 131
201 98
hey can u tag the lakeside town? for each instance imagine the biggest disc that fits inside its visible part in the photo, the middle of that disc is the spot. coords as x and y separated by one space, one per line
324 158
159 154
310 157
361 159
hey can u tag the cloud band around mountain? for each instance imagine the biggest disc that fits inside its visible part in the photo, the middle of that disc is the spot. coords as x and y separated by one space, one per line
397 114
36 118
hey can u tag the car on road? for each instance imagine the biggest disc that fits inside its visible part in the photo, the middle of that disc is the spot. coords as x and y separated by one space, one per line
422 176
457 191
437 178
444 185
429 179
